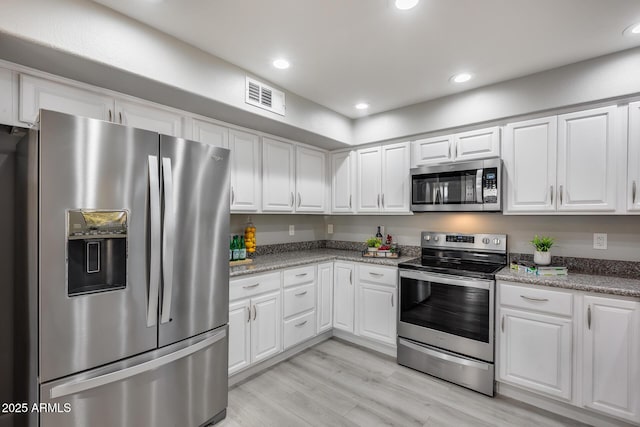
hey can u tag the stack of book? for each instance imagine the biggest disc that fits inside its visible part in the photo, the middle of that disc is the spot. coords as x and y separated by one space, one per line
540 270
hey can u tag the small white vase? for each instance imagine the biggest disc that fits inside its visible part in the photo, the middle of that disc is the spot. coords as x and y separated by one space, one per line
542 258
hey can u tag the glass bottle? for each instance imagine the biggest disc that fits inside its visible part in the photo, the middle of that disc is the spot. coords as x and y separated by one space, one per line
230 248
243 249
236 248
379 234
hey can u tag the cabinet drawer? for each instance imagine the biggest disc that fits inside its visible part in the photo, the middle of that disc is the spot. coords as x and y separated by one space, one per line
252 285
296 276
299 299
299 329
542 300
380 275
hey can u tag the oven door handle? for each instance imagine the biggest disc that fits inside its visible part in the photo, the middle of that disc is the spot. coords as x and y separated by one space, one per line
446 279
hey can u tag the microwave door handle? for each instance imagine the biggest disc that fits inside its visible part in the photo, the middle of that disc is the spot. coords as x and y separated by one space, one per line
168 240
479 174
445 193
154 220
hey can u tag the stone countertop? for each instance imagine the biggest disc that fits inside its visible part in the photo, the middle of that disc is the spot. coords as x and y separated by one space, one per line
581 282
264 263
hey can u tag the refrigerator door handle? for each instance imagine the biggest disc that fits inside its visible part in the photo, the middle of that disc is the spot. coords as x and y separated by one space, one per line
168 240
154 264
112 377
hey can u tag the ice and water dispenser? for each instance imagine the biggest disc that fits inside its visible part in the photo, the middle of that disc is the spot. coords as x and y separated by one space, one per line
96 251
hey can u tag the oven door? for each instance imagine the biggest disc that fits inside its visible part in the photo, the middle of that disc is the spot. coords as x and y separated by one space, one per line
450 312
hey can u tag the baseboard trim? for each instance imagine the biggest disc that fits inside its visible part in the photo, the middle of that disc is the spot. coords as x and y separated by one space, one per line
387 349
258 368
557 407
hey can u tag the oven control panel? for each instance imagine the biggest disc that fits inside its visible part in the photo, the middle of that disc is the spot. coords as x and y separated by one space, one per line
487 242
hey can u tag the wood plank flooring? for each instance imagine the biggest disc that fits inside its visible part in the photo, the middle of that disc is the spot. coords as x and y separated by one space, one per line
337 384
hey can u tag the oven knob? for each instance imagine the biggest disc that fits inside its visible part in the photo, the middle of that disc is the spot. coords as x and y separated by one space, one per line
486 240
436 238
427 237
496 241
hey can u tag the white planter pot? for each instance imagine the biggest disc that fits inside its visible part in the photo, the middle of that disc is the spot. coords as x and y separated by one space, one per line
542 258
372 249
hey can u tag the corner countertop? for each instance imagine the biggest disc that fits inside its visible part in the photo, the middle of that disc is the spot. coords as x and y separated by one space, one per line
264 263
581 282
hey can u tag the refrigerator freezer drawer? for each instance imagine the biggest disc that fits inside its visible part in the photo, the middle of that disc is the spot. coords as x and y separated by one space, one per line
184 384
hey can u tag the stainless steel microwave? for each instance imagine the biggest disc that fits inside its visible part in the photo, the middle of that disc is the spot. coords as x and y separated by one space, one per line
468 186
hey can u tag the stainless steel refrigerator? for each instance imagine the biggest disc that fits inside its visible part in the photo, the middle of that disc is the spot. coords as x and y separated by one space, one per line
123 276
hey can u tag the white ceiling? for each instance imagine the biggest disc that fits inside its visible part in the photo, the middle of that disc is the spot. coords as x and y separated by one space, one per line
348 51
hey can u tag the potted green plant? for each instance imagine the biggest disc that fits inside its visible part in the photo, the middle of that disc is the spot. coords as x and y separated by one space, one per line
542 254
373 243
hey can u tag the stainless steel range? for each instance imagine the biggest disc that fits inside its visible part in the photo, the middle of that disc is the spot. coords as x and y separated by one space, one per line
447 303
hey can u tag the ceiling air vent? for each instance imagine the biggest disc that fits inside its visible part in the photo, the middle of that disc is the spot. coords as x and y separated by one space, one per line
263 96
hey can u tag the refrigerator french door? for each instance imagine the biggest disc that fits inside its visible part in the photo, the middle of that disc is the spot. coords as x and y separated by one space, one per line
132 278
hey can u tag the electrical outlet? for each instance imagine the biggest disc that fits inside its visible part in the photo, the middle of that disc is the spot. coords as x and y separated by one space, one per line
292 230
330 228
599 240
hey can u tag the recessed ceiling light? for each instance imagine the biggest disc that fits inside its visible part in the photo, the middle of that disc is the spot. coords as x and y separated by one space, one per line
362 106
461 78
632 30
406 4
281 64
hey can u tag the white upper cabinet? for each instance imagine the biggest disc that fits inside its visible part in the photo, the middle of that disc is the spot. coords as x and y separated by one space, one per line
278 178
477 144
430 151
395 178
529 157
210 133
8 98
148 116
36 94
611 349
342 182
244 171
311 180
369 179
383 178
587 160
633 183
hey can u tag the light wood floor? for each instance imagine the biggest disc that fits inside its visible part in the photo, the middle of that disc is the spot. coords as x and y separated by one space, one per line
338 384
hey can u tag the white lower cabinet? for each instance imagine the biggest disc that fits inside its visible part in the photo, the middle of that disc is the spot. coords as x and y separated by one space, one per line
535 351
265 326
324 306
377 302
611 359
543 340
239 335
343 296
299 328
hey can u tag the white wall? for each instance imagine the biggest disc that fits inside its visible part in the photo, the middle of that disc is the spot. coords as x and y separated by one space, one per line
272 229
88 30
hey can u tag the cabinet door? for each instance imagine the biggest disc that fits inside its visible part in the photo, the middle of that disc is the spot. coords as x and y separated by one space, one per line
325 297
369 179
239 335
245 171
342 182
430 151
311 180
149 117
395 178
529 156
377 312
9 99
611 344
633 183
278 181
587 160
210 133
266 326
477 144
343 296
38 93
535 352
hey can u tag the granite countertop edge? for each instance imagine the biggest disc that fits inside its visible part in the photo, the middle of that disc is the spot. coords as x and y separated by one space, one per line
610 285
266 263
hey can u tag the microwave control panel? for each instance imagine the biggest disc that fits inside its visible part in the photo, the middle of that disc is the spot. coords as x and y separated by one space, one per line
490 185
